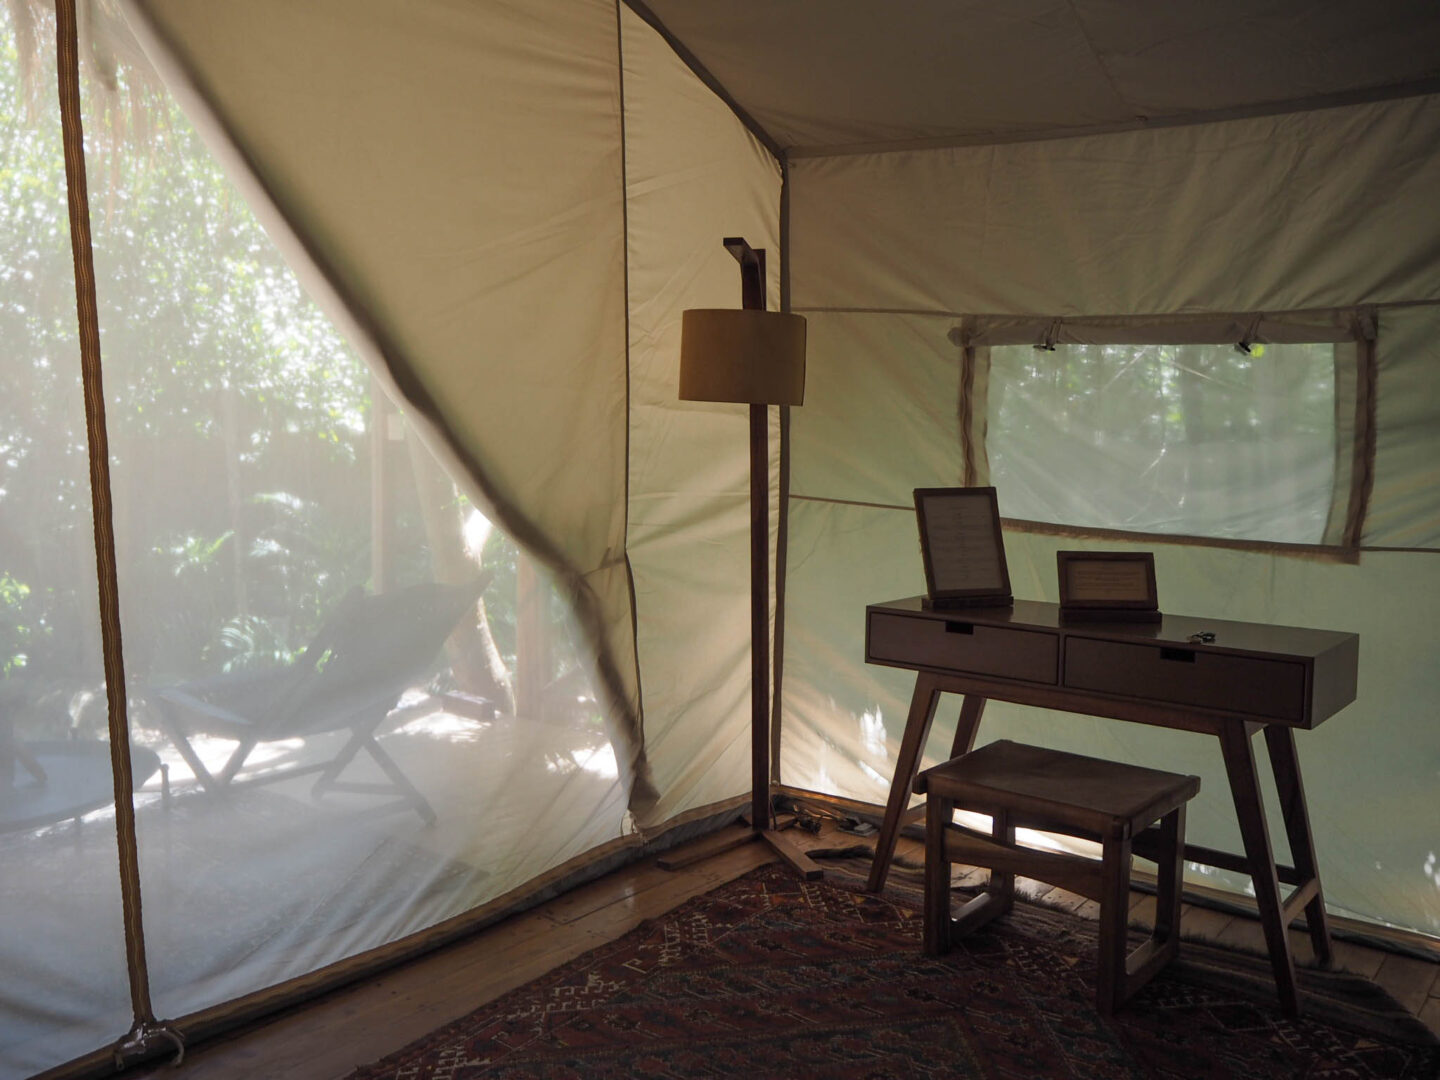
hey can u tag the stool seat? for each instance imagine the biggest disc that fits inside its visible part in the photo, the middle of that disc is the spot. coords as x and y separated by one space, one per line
1030 786
1067 789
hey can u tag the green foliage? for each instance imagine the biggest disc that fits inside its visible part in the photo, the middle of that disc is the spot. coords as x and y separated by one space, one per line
237 417
250 641
15 629
1201 439
239 422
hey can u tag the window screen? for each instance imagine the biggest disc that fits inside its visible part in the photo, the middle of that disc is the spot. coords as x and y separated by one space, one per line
1195 439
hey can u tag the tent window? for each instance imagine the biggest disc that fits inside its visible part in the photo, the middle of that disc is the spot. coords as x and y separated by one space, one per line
1237 428
1200 440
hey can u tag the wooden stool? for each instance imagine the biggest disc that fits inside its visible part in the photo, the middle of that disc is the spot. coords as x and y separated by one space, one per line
1065 793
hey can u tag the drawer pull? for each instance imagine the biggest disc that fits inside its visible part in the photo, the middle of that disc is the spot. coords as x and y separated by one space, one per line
1183 656
959 627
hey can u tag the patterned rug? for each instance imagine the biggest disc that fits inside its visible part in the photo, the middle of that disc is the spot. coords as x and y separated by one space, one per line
769 976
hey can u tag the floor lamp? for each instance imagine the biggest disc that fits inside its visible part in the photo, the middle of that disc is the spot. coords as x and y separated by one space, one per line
755 357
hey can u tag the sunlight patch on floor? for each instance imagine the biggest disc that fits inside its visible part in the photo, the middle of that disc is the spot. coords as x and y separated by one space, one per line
599 760
445 726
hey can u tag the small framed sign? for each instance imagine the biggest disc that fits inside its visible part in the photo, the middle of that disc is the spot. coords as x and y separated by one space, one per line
961 545
1114 586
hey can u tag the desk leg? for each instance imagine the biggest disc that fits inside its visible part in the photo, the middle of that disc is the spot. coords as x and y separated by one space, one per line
1250 810
1280 741
971 710
912 746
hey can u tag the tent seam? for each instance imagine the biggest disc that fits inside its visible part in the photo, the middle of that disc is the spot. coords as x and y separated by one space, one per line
1325 552
1290 107
629 403
701 72
943 313
1099 63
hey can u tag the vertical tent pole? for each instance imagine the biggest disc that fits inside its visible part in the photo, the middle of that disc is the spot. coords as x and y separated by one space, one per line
146 1031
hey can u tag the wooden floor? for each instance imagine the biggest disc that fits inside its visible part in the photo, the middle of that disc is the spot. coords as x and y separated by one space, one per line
351 1027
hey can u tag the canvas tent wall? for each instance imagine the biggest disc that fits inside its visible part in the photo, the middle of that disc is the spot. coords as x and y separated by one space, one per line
506 206
247 898
1250 215
954 169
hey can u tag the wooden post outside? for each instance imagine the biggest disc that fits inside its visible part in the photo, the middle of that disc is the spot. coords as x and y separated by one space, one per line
532 643
381 526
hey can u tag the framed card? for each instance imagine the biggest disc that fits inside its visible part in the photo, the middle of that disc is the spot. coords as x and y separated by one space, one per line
1115 585
962 548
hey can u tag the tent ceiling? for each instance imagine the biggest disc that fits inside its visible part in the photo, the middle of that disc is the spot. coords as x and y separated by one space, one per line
854 73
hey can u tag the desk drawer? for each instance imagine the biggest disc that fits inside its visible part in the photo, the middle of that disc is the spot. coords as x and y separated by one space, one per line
1185 676
959 645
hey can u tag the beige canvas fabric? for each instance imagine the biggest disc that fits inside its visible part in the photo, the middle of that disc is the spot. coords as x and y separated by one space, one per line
1313 211
861 74
506 206
694 176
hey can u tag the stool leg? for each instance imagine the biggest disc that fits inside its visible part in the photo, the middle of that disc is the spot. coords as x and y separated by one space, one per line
1002 885
939 812
1170 879
1114 915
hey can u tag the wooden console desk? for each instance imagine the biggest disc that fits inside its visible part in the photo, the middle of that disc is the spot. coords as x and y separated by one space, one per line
1252 677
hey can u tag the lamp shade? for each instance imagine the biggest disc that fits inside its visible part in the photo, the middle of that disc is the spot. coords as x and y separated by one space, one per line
734 354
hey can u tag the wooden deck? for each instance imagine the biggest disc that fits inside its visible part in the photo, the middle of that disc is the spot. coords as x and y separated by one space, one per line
357 1025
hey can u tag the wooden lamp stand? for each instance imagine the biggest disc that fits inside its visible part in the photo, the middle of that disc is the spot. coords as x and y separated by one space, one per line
758 358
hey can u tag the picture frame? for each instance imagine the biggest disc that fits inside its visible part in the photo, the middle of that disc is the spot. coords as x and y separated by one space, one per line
962 548
1111 586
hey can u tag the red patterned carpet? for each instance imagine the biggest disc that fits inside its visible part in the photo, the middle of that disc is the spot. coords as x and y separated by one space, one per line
768 976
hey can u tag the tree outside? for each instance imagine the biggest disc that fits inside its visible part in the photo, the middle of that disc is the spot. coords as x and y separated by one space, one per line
246 435
1189 439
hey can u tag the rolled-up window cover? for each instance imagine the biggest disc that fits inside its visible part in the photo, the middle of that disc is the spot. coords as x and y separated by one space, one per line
1278 328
